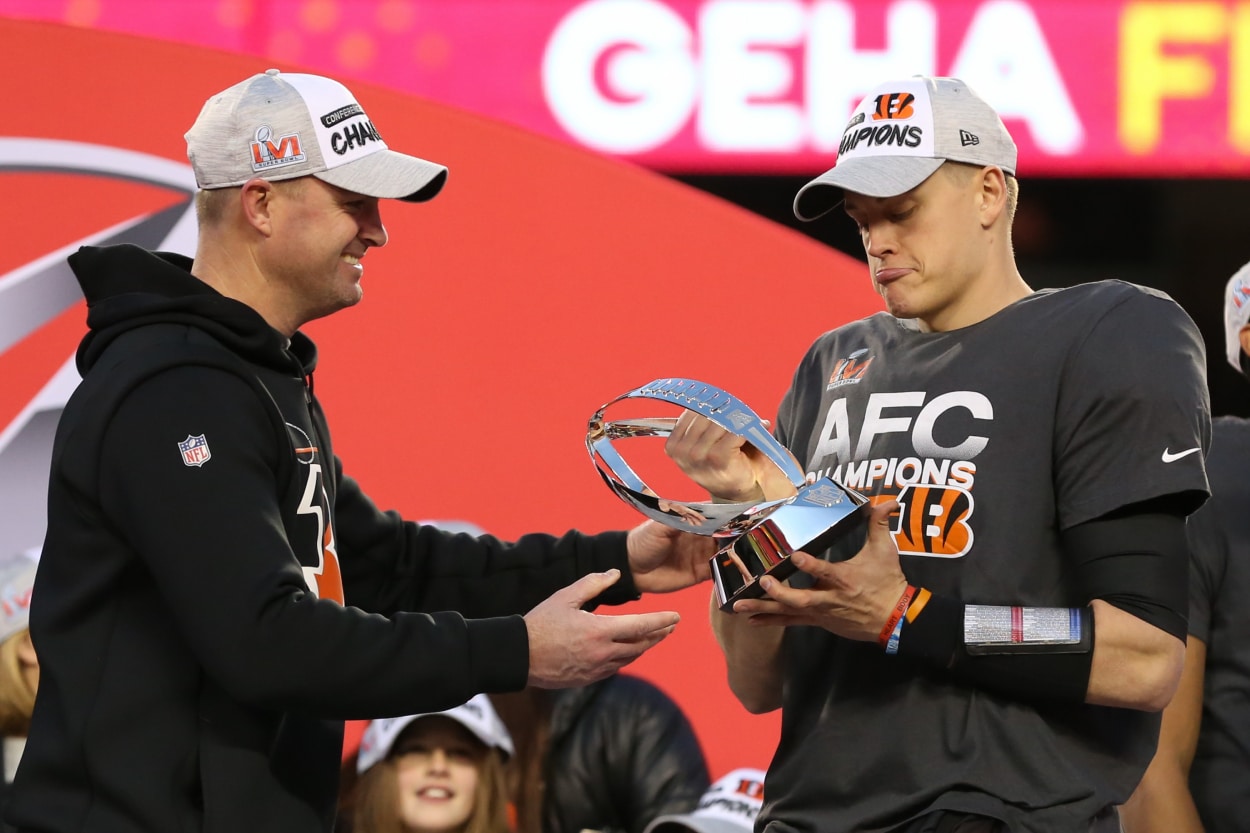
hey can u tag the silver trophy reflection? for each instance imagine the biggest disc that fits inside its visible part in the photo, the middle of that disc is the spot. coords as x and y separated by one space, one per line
756 538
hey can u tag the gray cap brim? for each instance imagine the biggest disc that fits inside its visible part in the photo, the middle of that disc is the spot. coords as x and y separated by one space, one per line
872 176
695 823
388 174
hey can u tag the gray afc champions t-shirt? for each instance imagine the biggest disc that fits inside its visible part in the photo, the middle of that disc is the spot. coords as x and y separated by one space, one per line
1058 409
1219 584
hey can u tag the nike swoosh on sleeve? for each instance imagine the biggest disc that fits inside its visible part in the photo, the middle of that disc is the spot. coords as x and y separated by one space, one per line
1169 457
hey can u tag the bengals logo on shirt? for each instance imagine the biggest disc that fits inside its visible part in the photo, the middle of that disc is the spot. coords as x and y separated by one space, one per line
933 521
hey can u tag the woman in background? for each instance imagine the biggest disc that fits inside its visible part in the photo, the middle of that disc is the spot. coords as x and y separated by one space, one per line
434 773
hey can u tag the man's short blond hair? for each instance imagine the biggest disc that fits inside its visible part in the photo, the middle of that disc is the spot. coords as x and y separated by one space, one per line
211 204
965 171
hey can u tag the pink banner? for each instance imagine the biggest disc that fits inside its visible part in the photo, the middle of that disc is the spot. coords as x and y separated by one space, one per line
1087 88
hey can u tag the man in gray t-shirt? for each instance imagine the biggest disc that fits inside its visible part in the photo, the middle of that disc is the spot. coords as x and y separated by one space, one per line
1199 779
996 654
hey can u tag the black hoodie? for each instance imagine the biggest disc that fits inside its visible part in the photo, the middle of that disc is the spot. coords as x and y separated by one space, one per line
196 661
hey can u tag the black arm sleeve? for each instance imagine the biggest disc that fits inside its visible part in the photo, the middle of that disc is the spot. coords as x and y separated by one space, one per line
1135 560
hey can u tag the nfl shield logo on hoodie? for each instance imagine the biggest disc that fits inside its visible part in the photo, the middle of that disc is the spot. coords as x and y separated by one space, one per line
195 450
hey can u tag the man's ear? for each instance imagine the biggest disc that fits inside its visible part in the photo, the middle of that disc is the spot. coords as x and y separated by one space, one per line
993 193
256 198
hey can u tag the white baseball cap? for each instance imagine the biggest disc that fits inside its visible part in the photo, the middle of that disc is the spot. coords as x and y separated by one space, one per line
455 525
1236 313
901 133
729 806
17 581
278 126
477 715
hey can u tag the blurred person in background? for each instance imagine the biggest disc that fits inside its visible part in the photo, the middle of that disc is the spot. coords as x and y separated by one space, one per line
608 756
729 806
441 772
1199 779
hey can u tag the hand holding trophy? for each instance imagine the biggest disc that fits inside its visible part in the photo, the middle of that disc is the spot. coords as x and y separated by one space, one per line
756 537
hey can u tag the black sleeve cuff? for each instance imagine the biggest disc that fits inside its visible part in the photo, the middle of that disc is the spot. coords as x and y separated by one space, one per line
500 650
611 552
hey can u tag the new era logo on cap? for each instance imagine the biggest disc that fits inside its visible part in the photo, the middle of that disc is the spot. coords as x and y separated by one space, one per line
901 133
282 125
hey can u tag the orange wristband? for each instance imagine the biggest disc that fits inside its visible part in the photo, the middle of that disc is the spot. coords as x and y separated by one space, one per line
917 605
900 608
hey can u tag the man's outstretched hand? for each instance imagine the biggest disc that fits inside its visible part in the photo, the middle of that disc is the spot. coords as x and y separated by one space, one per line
572 647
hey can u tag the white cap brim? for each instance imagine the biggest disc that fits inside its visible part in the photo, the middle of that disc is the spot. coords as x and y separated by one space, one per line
388 174
477 716
691 822
872 176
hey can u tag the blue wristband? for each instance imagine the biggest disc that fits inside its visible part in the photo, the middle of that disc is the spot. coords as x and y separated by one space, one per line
891 647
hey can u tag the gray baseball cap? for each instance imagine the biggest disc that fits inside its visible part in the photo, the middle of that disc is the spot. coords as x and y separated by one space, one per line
277 126
901 133
1236 313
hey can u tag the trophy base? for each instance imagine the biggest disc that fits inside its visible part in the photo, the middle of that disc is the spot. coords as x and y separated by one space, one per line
823 516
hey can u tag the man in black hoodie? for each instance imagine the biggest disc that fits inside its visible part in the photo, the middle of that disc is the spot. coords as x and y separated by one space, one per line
215 595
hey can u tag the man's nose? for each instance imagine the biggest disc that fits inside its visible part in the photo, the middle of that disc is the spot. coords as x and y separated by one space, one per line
371 229
879 240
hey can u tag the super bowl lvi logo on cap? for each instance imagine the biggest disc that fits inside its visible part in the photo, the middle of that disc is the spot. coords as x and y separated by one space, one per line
729 806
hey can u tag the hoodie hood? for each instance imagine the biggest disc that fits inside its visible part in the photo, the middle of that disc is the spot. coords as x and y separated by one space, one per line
128 287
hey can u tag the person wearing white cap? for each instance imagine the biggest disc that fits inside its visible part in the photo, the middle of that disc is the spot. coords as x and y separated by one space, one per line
729 806
216 594
995 655
1199 779
440 772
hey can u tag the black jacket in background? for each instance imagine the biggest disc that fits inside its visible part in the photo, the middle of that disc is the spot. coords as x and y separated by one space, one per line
621 753
196 661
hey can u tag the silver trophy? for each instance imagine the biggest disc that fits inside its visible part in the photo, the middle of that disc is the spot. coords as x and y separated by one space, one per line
756 538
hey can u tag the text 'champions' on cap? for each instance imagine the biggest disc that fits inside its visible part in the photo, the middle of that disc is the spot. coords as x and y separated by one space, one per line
901 133
477 715
277 126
